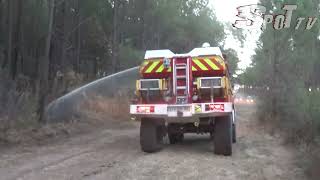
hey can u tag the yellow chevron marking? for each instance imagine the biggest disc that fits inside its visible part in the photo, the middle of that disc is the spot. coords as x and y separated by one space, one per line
144 63
194 69
154 64
221 61
160 69
202 67
211 64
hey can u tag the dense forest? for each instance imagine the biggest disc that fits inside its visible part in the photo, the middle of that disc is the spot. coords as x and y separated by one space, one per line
48 47
286 67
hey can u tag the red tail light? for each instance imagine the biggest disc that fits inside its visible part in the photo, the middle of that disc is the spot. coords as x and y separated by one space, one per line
215 107
145 109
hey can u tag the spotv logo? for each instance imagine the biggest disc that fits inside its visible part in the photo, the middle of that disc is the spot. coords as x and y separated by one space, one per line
254 16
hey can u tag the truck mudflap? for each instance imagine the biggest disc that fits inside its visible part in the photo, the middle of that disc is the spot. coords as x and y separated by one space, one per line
181 110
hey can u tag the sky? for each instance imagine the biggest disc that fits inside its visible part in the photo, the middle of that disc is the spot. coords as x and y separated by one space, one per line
226 11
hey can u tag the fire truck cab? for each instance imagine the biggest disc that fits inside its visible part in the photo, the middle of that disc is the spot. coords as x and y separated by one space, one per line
185 93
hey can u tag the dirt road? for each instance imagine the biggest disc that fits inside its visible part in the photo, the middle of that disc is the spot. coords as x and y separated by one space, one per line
114 153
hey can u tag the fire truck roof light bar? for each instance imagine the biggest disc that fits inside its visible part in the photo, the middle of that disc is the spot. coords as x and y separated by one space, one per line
166 53
151 54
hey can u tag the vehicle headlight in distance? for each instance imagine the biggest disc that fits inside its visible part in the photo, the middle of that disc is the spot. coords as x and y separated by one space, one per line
149 84
208 82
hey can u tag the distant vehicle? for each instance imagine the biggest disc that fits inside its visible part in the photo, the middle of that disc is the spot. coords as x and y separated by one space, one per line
249 99
244 100
185 93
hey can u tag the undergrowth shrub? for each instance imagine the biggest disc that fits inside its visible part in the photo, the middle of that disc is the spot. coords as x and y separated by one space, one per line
18 105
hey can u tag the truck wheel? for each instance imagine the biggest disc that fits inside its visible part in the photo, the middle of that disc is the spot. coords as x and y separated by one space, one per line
151 135
175 138
223 135
234 133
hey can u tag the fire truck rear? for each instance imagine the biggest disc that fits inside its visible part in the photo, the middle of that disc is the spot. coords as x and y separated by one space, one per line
185 93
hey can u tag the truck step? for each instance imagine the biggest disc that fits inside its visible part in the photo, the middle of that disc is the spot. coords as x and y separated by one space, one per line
181 77
182 96
181 67
181 87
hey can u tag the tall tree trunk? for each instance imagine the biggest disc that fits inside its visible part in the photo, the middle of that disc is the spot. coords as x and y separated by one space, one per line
44 66
275 77
3 16
78 38
115 42
10 29
65 37
144 26
17 39
4 27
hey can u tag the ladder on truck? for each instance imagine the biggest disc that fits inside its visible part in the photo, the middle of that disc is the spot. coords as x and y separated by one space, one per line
181 79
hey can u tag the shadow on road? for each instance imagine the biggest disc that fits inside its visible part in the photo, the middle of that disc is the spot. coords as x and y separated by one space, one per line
192 143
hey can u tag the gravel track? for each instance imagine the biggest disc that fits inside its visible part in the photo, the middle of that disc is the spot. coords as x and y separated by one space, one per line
114 153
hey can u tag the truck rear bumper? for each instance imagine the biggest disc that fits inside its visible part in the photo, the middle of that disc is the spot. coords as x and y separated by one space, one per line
169 111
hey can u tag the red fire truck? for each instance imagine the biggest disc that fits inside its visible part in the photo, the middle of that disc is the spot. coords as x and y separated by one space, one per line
185 93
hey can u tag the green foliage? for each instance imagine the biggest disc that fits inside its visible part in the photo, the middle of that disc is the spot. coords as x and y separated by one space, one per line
177 25
314 99
82 40
287 62
232 59
129 57
141 24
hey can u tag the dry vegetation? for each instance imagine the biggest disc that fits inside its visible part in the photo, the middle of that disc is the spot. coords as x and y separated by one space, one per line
17 106
18 111
19 123
111 107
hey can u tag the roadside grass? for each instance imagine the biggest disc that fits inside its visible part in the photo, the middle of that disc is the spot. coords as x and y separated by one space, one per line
112 107
297 121
99 111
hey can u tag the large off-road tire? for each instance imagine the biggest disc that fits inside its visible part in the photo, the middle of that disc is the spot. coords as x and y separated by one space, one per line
152 132
175 138
223 136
